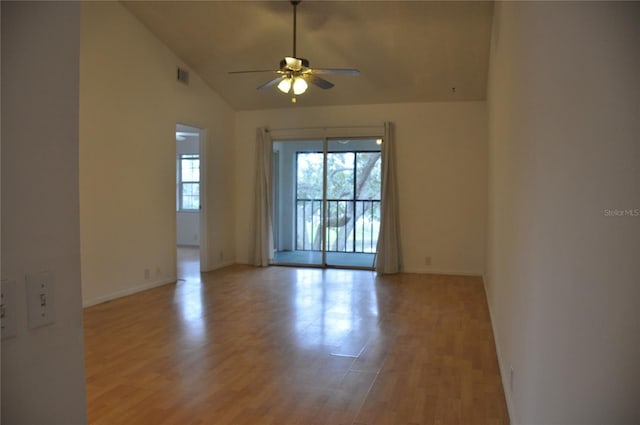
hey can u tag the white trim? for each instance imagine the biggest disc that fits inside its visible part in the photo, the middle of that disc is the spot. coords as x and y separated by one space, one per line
504 369
422 270
334 127
320 133
408 271
204 237
223 265
202 152
125 292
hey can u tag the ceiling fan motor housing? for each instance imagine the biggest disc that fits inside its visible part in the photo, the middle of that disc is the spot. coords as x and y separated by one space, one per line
285 67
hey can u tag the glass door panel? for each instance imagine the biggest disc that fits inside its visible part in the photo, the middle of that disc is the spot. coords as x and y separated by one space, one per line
353 202
298 220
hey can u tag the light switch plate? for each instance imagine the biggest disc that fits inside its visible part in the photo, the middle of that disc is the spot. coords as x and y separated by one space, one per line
40 299
8 309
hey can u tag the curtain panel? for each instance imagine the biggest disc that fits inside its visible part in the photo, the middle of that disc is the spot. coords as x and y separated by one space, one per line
388 248
262 254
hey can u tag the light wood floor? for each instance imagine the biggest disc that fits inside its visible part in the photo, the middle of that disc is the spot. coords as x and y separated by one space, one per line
281 346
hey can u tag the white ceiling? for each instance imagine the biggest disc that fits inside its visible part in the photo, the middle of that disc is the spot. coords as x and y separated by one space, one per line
407 51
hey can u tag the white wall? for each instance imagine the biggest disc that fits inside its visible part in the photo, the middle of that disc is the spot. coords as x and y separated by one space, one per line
441 149
562 281
130 104
188 228
42 369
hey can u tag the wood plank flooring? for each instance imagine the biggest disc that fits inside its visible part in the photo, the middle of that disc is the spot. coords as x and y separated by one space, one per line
278 345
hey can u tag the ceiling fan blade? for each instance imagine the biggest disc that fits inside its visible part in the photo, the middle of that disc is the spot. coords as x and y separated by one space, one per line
254 70
320 82
336 71
270 83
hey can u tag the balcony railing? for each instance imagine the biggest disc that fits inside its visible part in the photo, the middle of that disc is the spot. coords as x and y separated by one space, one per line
352 225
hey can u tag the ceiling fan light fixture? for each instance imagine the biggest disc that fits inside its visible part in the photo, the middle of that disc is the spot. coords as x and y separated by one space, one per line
299 85
295 74
285 85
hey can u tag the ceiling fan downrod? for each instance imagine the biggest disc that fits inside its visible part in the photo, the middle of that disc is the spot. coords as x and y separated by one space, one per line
294 3
295 7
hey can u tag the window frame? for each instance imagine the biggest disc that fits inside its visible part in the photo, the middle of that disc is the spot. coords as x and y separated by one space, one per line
181 182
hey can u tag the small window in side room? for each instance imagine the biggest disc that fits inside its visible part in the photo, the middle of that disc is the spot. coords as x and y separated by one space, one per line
188 182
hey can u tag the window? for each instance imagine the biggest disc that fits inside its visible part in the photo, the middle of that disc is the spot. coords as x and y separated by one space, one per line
352 200
188 182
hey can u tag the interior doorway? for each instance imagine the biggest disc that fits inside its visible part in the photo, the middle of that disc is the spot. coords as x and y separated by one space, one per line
327 202
190 200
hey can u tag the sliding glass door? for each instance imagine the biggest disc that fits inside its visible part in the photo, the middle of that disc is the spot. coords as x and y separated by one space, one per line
326 202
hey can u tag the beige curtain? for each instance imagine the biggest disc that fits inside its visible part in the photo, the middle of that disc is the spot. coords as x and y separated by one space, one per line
262 252
388 249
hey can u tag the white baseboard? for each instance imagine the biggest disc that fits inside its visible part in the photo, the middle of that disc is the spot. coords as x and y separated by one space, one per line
416 270
125 292
504 368
219 266
140 288
427 270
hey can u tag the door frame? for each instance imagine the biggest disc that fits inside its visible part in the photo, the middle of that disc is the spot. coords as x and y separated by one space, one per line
202 152
325 151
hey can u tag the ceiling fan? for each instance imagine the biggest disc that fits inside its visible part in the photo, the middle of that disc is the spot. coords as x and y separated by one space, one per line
295 73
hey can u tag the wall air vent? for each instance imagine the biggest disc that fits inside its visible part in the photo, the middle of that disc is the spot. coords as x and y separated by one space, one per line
183 76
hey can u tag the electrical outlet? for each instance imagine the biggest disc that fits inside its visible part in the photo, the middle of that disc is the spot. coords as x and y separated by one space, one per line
8 309
40 299
427 261
511 378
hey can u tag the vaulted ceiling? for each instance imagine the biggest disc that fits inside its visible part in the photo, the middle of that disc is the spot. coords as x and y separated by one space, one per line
407 51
